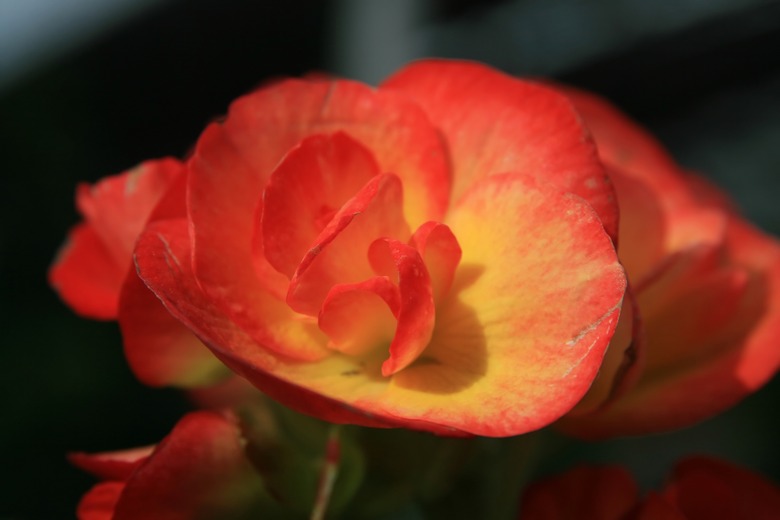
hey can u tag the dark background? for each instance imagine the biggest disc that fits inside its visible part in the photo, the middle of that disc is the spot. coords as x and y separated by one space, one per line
706 81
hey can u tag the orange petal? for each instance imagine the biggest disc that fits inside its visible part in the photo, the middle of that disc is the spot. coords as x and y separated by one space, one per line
622 365
689 328
416 313
524 329
718 373
626 146
440 252
360 317
518 126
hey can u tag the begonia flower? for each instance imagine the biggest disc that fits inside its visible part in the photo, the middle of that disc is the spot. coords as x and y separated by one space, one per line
700 488
370 257
705 286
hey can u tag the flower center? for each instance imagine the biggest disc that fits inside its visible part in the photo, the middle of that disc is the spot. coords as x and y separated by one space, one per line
358 269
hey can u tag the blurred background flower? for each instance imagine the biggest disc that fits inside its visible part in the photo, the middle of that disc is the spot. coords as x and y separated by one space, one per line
89 88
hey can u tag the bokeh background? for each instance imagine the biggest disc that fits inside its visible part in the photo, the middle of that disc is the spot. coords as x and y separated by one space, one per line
92 87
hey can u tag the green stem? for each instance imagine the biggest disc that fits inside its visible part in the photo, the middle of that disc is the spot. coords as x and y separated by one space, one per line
330 470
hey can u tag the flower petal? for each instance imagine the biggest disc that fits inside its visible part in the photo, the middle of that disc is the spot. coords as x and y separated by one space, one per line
85 275
159 349
625 145
175 285
494 123
689 386
661 215
655 507
100 501
339 254
359 317
92 264
416 313
441 254
522 334
112 465
233 161
582 493
117 207
622 365
199 470
305 191
706 488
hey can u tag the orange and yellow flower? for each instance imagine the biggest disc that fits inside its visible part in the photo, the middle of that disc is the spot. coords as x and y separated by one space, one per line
436 253
379 257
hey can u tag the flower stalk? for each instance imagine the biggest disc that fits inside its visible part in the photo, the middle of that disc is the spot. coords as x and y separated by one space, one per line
330 470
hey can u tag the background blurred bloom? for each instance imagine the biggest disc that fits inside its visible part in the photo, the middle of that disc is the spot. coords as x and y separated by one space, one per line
699 488
706 289
199 470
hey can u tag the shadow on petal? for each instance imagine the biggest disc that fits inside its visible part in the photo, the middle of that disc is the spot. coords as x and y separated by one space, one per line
457 355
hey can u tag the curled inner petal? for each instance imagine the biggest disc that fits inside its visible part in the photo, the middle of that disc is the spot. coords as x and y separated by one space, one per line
338 254
416 315
305 191
441 253
359 317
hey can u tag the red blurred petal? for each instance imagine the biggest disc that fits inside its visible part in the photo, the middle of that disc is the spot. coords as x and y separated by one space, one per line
99 502
199 470
656 507
117 207
708 489
90 268
112 465
86 276
582 493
